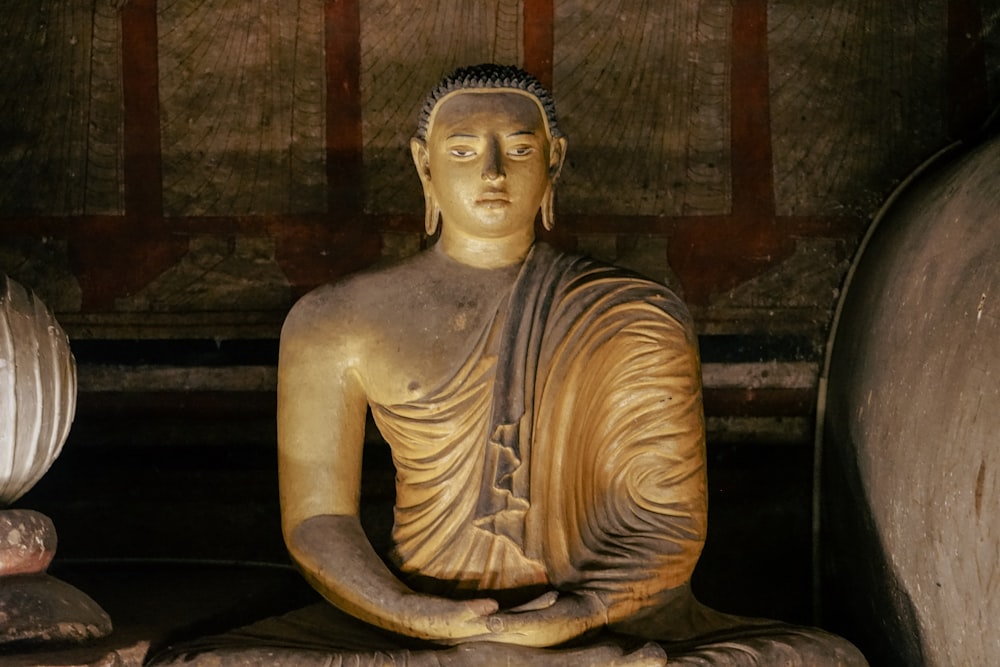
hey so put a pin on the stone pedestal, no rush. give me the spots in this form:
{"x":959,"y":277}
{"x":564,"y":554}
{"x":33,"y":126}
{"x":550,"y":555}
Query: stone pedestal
{"x":36,"y":608}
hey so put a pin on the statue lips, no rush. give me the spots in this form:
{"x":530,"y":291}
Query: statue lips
{"x":493,"y":199}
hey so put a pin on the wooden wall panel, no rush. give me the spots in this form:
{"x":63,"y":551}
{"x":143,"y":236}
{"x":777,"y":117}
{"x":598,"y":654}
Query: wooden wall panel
{"x":643,"y":92}
{"x":244,"y":151}
{"x":733,"y":149}
{"x":45,"y":265}
{"x":807,"y":283}
{"x":242,"y":107}
{"x":60,"y":108}
{"x":404,"y":53}
{"x":241,"y":272}
{"x":838,"y":130}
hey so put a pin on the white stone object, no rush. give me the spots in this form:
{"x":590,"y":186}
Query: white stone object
{"x":37,"y":389}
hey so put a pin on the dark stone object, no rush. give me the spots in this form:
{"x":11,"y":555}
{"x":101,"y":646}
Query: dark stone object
{"x":910,"y":535}
{"x":38,"y":608}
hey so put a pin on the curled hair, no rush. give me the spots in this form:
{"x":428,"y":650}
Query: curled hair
{"x":489,"y":76}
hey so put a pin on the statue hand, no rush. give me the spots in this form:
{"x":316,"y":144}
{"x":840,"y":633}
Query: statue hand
{"x":336,"y":557}
{"x":543,"y":601}
{"x":445,"y":620}
{"x":549,"y":620}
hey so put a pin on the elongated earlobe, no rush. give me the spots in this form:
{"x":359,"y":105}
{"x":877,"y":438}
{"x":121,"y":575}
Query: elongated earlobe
{"x":557,"y":157}
{"x":556,"y":160}
{"x":432,"y":214}
{"x":548,"y":208}
{"x":421,"y":160}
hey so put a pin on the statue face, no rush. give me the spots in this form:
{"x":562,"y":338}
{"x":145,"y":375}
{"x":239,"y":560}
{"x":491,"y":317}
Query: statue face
{"x":488,"y":161}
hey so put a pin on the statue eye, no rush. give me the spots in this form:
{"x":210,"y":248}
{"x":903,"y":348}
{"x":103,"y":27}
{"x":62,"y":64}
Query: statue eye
{"x":461,"y":151}
{"x":520,"y":151}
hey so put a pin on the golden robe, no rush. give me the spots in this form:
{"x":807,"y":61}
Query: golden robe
{"x":567,"y":452}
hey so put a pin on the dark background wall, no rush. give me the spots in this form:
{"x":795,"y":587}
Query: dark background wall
{"x":175,"y":173}
{"x":184,"y":169}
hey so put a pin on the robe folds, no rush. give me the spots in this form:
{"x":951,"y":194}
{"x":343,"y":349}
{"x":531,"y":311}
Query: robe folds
{"x":567,"y":451}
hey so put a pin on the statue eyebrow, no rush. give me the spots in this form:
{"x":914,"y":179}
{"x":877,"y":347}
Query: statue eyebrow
{"x":473,"y":135}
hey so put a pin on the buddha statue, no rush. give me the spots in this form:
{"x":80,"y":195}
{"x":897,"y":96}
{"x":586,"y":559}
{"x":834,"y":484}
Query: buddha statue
{"x":544,"y":416}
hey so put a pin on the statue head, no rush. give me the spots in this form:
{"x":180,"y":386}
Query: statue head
{"x":490,"y":77}
{"x":503,"y":101}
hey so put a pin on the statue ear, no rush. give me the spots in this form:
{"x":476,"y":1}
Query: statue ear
{"x":421,"y":159}
{"x":557,"y":156}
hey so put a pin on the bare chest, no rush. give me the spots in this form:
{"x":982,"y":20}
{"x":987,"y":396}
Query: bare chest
{"x":421,"y":344}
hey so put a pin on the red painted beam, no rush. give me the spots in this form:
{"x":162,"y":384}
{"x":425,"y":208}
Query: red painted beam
{"x":710,"y":255}
{"x":115,"y":257}
{"x":344,"y":141}
{"x":752,"y":162}
{"x":539,"y":39}
{"x":749,"y":402}
{"x":141,"y":92}
{"x":312,"y":250}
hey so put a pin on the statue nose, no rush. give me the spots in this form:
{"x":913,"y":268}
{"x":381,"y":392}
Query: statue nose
{"x":493,"y":163}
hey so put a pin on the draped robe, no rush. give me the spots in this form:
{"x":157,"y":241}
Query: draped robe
{"x":567,"y":451}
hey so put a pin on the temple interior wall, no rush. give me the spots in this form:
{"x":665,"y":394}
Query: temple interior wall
{"x":184,"y":170}
{"x":175,"y":173}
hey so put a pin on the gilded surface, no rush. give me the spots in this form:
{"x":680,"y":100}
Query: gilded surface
{"x":544,"y":416}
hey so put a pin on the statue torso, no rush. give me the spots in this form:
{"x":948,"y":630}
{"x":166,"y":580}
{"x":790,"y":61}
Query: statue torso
{"x":416,"y":322}
{"x":613,"y":356}
{"x":422,"y":336}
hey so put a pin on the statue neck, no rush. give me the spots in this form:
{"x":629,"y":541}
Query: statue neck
{"x":487,"y":253}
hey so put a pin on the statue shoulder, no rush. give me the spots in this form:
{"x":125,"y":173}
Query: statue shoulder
{"x":328,"y":313}
{"x":354,"y":309}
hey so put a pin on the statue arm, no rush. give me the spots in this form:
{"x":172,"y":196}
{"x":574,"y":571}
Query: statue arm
{"x":337,"y":559}
{"x":321,"y":416}
{"x":348,"y":573}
